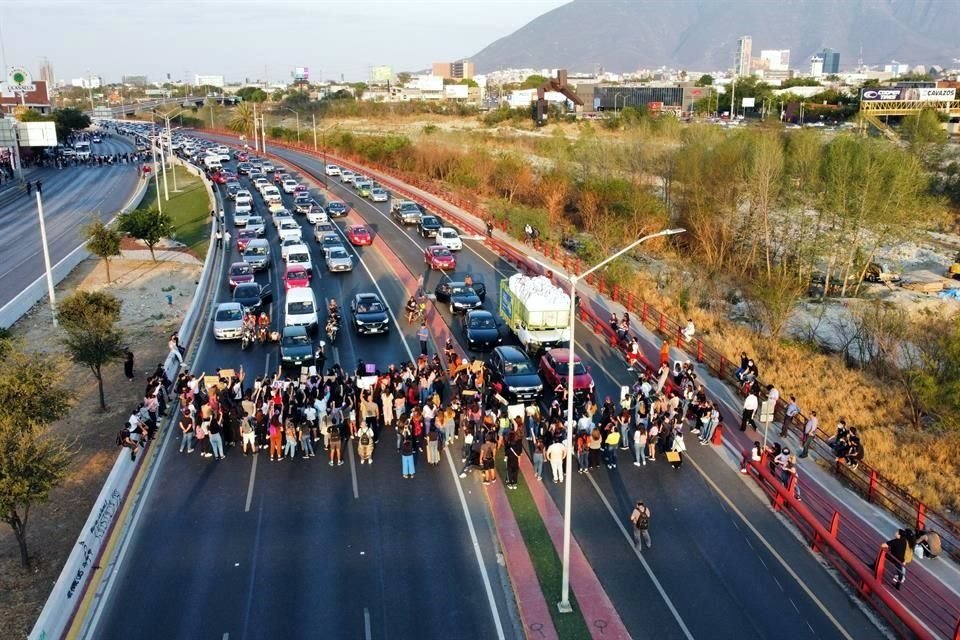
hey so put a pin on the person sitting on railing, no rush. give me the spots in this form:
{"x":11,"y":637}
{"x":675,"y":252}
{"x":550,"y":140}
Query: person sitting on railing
{"x":756,"y":454}
{"x":624,"y":328}
{"x":841,"y":435}
{"x":929,"y":542}
{"x":633,"y":353}
{"x":614,"y":322}
{"x":689,"y":330}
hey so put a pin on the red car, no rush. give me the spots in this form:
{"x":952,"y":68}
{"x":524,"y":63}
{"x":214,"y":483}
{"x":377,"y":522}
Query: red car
{"x":219,"y":178}
{"x":300,"y":188}
{"x":243,"y":157}
{"x":240,"y":273}
{"x":553,"y":369}
{"x":243,"y":237}
{"x":359,"y":235}
{"x":296,"y":275}
{"x":438,"y":257}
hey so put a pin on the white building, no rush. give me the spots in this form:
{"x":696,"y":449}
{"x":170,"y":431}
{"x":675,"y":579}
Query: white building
{"x":213,"y":81}
{"x":816,"y":66}
{"x":896,"y":68}
{"x":90,"y":82}
{"x":775,"y":59}
{"x":524,"y":97}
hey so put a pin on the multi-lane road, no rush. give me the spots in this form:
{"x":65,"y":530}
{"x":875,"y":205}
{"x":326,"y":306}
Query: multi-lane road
{"x":71,"y":197}
{"x":245,"y":548}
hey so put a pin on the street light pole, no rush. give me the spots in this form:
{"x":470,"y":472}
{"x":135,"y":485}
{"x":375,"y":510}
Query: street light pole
{"x":263,"y":133}
{"x":46,"y":260}
{"x":256,"y":139}
{"x":314,"y":116}
{"x":564,"y":605}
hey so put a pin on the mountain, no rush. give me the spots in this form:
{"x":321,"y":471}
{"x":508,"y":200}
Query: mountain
{"x":701,"y":35}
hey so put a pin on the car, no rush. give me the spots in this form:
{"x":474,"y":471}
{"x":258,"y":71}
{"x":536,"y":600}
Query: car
{"x":289,"y":185}
{"x":332,"y":170}
{"x":437,"y":257}
{"x":289,"y":229}
{"x":228,"y":321}
{"x":369,"y":314}
{"x":243,"y":195}
{"x":96,"y":140}
{"x":330,"y":240}
{"x":337,"y":209}
{"x":428,"y":226}
{"x":513,"y":369}
{"x":260,"y":183}
{"x":276,"y":206}
{"x":301,"y":199}
{"x":271,"y":194}
{"x":363,"y":188}
{"x":251,"y":296}
{"x":243,"y":156}
{"x":295,"y":275}
{"x":300,"y":309}
{"x":321,"y":229}
{"x":278,"y":177}
{"x":244,"y":236}
{"x":287,"y":243}
{"x":480,"y":330}
{"x":338,"y":259}
{"x":554,"y":371}
{"x":301,"y":188}
{"x":461,"y":296}
{"x":296,"y":347}
{"x":267,"y":165}
{"x":218,"y":178}
{"x":233,"y":188}
{"x":379,"y":195}
{"x":257,"y":254}
{"x":359,"y":235}
{"x":316,"y":214}
{"x":280,"y":217}
{"x":300,"y":255}
{"x":346,"y":176}
{"x":240,"y":273}
{"x":256,"y":223}
{"x":449,"y":238}
{"x":407,"y":212}
{"x":241,"y":215}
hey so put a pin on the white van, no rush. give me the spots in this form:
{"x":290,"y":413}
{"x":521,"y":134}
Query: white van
{"x":300,"y":309}
{"x":212,"y":162}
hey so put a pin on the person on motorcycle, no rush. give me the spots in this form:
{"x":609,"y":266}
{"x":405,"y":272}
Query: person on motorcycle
{"x":264,"y":325}
{"x":412,"y":307}
{"x":332,"y":308}
{"x":332,"y":329}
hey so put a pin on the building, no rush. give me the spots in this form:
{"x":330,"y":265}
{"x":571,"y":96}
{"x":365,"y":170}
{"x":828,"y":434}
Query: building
{"x":460,"y":70}
{"x":134,"y":81}
{"x":381,"y":75}
{"x":831,"y":61}
{"x":676,"y":98}
{"x":90,"y":82}
{"x":212,"y":81}
{"x":37,"y":100}
{"x":744,"y":51}
{"x":816,"y":66}
{"x":46,"y":73}
{"x":775,"y":59}
{"x":896,"y":68}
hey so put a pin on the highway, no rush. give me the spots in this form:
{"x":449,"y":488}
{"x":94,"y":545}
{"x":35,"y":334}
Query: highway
{"x":252,"y":548}
{"x":71,"y":196}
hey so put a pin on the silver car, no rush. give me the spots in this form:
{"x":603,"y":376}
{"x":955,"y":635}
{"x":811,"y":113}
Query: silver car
{"x":255,"y":223}
{"x":339,"y":260}
{"x":228,"y":321}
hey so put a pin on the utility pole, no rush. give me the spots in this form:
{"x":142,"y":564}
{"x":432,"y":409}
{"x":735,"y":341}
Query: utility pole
{"x":733,"y":98}
{"x":314,"y":116}
{"x":46,"y":260}
{"x":263,"y":133}
{"x":256,"y":143}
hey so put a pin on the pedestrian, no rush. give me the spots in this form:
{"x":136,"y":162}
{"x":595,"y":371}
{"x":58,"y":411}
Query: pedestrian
{"x":612,"y":442}
{"x":556,"y":454}
{"x":219,"y":236}
{"x":306,"y":440}
{"x":513,"y":453}
{"x":248,"y":434}
{"x":750,"y":405}
{"x":489,"y":227}
{"x":216,"y":439}
{"x":788,"y":415}
{"x":423,"y":336}
{"x":406,"y":456}
{"x":333,"y":440}
{"x":39,"y":187}
{"x":641,"y":525}
{"x":186,"y":429}
{"x":29,"y":187}
{"x":809,"y":433}
{"x":128,"y":364}
{"x":174,"y":345}
{"x":365,"y":443}
{"x":538,"y":452}
{"x":901,"y":550}
{"x":640,"y":446}
{"x":433,"y":444}
{"x":488,"y":455}
{"x":275,"y":431}
{"x":200,"y":431}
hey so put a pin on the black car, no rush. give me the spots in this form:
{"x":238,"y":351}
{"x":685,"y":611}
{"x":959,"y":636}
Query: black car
{"x":337,"y":209}
{"x":232,"y":188}
{"x":462,"y":297}
{"x":244,"y":168}
{"x":480,"y":330}
{"x":512,"y":368}
{"x":251,"y":295}
{"x":369,"y":314}
{"x":428,"y":226}
{"x":296,"y":347}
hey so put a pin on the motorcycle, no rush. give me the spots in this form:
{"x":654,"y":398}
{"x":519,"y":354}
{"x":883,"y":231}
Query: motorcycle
{"x":246,"y":338}
{"x":262,"y":334}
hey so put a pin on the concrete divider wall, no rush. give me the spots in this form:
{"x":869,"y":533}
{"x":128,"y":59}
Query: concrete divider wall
{"x":63,"y":604}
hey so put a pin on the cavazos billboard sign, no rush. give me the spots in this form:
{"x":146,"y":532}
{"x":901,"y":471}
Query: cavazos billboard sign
{"x":937,"y":94}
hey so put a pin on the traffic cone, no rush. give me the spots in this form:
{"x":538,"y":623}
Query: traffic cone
{"x":717,"y":436}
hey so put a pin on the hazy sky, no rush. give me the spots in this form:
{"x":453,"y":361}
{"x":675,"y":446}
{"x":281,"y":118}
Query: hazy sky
{"x":240,"y":39}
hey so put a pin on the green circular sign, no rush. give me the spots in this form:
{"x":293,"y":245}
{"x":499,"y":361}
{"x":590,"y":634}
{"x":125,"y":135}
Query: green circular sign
{"x":19,"y":77}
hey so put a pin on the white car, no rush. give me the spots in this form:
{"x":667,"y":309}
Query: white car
{"x":289,"y":243}
{"x":271,"y":194}
{"x":266,"y":165}
{"x":260,"y":184}
{"x":316,"y":214}
{"x":241,"y":214}
{"x":276,"y":206}
{"x":289,"y":186}
{"x":289,"y":229}
{"x":379,"y":195}
{"x":449,"y":238}
{"x":228,"y":321}
{"x":281,"y":217}
{"x":299,"y":254}
{"x":346,"y":176}
{"x":332,"y":170}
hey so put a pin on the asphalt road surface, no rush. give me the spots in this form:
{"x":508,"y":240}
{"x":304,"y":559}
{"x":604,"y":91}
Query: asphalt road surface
{"x":71,"y":197}
{"x":308,"y":557}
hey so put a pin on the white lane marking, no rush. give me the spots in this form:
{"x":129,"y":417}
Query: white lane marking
{"x":643,"y":561}
{"x":353,"y":470}
{"x":367,"y":633}
{"x":769,"y":547}
{"x":253,"y":478}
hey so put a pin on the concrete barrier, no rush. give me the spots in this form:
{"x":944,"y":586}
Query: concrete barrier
{"x":92,"y":549}
{"x":36,"y":290}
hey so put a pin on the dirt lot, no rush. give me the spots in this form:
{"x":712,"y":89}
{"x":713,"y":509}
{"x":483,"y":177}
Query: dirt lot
{"x":148,"y":320}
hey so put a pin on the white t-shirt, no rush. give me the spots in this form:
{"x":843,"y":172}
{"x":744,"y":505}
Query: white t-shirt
{"x":773,"y":394}
{"x":751,"y":403}
{"x":555,"y":452}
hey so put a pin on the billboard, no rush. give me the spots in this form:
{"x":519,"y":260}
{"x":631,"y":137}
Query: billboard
{"x":873,"y":95}
{"x":301,"y":74}
{"x":748,"y":103}
{"x":37,"y":134}
{"x":937,"y":94}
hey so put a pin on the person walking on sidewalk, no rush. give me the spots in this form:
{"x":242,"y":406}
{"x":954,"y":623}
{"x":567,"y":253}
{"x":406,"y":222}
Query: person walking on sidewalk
{"x":641,"y":525}
{"x":750,"y":405}
{"x":901,"y":550}
{"x":809,"y":433}
{"x":556,"y":454}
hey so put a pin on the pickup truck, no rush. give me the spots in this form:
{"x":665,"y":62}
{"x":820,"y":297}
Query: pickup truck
{"x":406,"y":211}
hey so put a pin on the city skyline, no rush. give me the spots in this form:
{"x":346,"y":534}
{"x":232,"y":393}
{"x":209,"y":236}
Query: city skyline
{"x":222,"y":39}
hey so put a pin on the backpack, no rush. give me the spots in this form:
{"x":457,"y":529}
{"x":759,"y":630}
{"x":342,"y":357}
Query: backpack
{"x":432,"y":435}
{"x":643,"y":520}
{"x":365,"y":437}
{"x":122,"y":438}
{"x":908,"y":554}
{"x":334,"y":432}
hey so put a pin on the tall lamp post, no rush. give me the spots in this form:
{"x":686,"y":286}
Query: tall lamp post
{"x":564,"y":604}
{"x":296,"y":113}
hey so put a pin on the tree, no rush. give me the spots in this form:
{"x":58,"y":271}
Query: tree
{"x":32,"y":463}
{"x":89,"y":318}
{"x":69,"y":120}
{"x":533,"y":82}
{"x":404,"y":77}
{"x":242,"y":119}
{"x":705,"y":80}
{"x":32,"y":386}
{"x":923,"y":130}
{"x":148,"y":225}
{"x":26,"y":114}
{"x":252,"y":94}
{"x":102,"y":241}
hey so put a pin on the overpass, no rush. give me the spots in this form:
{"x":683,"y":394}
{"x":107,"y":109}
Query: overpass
{"x":875,"y":111}
{"x":188,"y":102}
